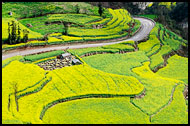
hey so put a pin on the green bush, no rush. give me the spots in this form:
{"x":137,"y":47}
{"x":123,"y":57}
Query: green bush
{"x":83,"y":51}
{"x":35,"y":57}
{"x":148,"y":16}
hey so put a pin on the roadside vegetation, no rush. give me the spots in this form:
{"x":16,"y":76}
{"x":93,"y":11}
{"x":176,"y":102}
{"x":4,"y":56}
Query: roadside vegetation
{"x":131,"y":82}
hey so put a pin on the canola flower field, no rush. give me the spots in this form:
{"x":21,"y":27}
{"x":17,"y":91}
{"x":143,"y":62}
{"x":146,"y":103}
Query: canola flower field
{"x":113,"y":28}
{"x":64,"y":83}
{"x":115,"y":84}
{"x":128,"y":78}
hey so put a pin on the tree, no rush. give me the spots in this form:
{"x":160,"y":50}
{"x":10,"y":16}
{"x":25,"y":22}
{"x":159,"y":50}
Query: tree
{"x":12,"y":37}
{"x":25,"y":35}
{"x":18,"y":35}
{"x":132,"y":8}
{"x":9,"y":37}
{"x":77,"y":9}
{"x":100,"y":11}
{"x":13,"y":33}
{"x":66,"y":26}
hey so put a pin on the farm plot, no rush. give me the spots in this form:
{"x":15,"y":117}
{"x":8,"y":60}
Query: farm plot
{"x":157,"y":87}
{"x":63,"y":84}
{"x":154,"y":84}
{"x":37,"y":57}
{"x":9,"y":60}
{"x":157,"y":59}
{"x":175,"y":113}
{"x":113,"y":27}
{"x":168,"y":37}
{"x":117,"y":63}
{"x":148,"y":16}
{"x":32,"y":35}
{"x":45,"y":24}
{"x":151,"y":46}
{"x":83,"y":51}
{"x":177,"y":68}
{"x":119,"y":21}
{"x":32,"y":9}
{"x":119,"y":46}
{"x":12,"y":73}
{"x":96,"y":111}
{"x":127,"y":46}
{"x":50,"y":25}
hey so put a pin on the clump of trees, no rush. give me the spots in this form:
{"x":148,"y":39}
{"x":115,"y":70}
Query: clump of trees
{"x":100,"y":10}
{"x":66,"y":27}
{"x":77,"y":9}
{"x":14,"y":34}
{"x":171,"y":18}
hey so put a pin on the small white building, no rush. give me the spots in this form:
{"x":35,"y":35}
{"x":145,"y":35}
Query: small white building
{"x":76,"y":62}
{"x":10,"y":13}
{"x":64,"y":56}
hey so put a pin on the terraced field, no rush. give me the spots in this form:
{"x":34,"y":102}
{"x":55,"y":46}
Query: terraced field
{"x":127,"y":46}
{"x":59,"y":84}
{"x":81,"y":28}
{"x":131,"y":82}
{"x":177,"y":68}
{"x":5,"y":21}
{"x":96,"y":111}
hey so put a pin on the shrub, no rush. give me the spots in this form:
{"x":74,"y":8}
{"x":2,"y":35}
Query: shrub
{"x":36,"y":57}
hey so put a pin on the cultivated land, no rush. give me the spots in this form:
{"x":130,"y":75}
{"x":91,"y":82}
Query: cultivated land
{"x":139,"y":79}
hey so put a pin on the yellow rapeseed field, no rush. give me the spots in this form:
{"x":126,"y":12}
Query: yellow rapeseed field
{"x":65,"y":82}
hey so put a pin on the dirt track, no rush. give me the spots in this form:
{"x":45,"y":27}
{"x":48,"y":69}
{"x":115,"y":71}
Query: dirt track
{"x":146,"y":27}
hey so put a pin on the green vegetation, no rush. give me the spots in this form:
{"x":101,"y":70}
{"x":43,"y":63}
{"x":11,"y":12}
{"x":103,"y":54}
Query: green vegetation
{"x":45,"y":24}
{"x":117,"y":87}
{"x":114,"y":27}
{"x":153,"y":83}
{"x":168,"y":4}
{"x":115,"y":48}
{"x":151,"y":46}
{"x":33,"y":9}
{"x":172,"y":15}
{"x":174,"y":113}
{"x":65,"y":83}
{"x":148,"y":16}
{"x":44,"y":59}
{"x":117,"y":63}
{"x":128,"y":42}
{"x":32,"y":35}
{"x":96,"y":111}
{"x":157,"y":59}
{"x":177,"y":68}
{"x":119,"y":47}
{"x":80,"y":27}
{"x":33,"y":58}
{"x":157,"y":87}
{"x":84,"y":51}
{"x":9,"y":60}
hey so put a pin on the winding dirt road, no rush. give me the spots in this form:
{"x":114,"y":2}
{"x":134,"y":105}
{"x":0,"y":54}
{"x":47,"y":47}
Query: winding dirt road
{"x":146,"y":27}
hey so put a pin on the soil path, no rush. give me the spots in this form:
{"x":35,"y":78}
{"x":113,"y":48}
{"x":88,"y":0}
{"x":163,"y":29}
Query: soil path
{"x":146,"y":27}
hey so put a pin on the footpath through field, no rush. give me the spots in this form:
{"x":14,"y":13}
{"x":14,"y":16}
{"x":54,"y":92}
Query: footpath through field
{"x":146,"y":26}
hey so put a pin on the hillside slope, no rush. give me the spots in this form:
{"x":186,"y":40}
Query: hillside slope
{"x":123,"y":82}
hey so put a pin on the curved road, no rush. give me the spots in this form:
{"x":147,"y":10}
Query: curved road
{"x":146,"y":27}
